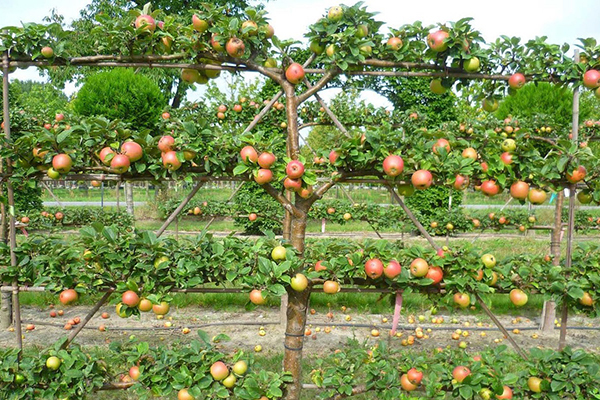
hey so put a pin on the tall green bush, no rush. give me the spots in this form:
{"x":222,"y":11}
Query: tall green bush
{"x":121,"y":94}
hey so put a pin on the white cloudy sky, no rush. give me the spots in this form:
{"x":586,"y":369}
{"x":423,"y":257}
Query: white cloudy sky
{"x":560,"y":20}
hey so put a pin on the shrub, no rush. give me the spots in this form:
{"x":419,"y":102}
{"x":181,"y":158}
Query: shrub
{"x":121,"y":94}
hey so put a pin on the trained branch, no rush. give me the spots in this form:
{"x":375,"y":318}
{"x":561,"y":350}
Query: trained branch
{"x":412,"y":217}
{"x":262,"y":112}
{"x":283,"y":200}
{"x":87,"y":318}
{"x":327,"y":77}
{"x":175,"y":213}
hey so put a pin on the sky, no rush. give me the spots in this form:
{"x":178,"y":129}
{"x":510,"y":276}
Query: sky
{"x":563,"y":21}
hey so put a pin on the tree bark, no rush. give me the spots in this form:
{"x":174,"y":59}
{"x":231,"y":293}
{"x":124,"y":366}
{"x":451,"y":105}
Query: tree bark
{"x":296,"y":317}
{"x":179,"y":92}
{"x":129,"y":197}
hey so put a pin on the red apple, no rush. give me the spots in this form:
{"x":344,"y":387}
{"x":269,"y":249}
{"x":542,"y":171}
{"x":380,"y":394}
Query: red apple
{"x":170,"y":161}
{"x":506,"y":158}
{"x":252,"y":217}
{"x":435,"y":274}
{"x":460,"y":373}
{"x":292,"y":185}
{"x":219,"y":371}
{"x":294,"y":169}
{"x":461,"y":182}
{"x":374,"y":268}
{"x":421,"y":179}
{"x":235,"y":47}
{"x":516,"y":81}
{"x":414,"y":376}
{"x":519,"y":190}
{"x":506,"y":393}
{"x":294,"y":73}
{"x":463,"y":300}
{"x":392,"y":270}
{"x":120,"y":163}
{"x":333,"y":156}
{"x":319,"y":266}
{"x":436,"y":41}
{"x":130,"y":298}
{"x":165,"y":115}
{"x":484,"y":166}
{"x":248,"y":154}
{"x":47,"y":52}
{"x":518,"y":297}
{"x":591,"y":79}
{"x":146,"y":22}
{"x":576,"y":176}
{"x":199,"y":24}
{"x":393,"y":165}
{"x":166,"y":143}
{"x":266,"y":160}
{"x":59,"y":117}
{"x":394,"y":43}
{"x":470,"y":152}
{"x":237,"y":108}
{"x":62,"y":163}
{"x":490,"y":188}
{"x":441,"y":143}
{"x":263,"y":176}
{"x":419,"y":268}
{"x":68,"y":296}
{"x":132,"y":150}
{"x":256,"y":297}
{"x":406,"y":383}
{"x":537,"y":196}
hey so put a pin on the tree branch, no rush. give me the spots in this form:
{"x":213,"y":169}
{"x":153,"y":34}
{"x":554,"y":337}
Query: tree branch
{"x":282,"y":200}
{"x":329,"y":75}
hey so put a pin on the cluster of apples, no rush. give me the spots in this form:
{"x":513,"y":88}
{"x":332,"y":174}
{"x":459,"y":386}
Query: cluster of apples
{"x":131,"y":299}
{"x":169,"y":155}
{"x":265,"y":161}
{"x":293,"y":181}
{"x":120,"y":162}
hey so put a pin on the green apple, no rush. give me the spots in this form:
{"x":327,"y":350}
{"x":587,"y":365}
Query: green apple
{"x":485,"y":394}
{"x":278,"y":253}
{"x":299,"y":283}
{"x":52,"y":173}
{"x":53,"y":363}
{"x":471,"y":65}
{"x":316,"y":47}
{"x":509,"y":145}
{"x":229,"y":382}
{"x":240,"y":367}
{"x":488,"y":260}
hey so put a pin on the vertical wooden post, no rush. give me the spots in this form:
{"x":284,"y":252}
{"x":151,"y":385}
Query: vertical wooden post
{"x":12,"y":235}
{"x":117,"y":194}
{"x":571,"y":224}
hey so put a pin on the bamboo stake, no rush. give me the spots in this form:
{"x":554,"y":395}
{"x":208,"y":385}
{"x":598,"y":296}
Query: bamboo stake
{"x":352,"y":201}
{"x":549,"y":310}
{"x":87,"y":318}
{"x":228,"y":200}
{"x":180,"y":207}
{"x":571,"y":227}
{"x":51,"y":193}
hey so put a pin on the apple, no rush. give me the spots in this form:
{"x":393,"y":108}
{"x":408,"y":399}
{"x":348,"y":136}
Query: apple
{"x":278,"y":253}
{"x":331,"y":287}
{"x":490,"y":188}
{"x":130,"y":298}
{"x":248,"y":154}
{"x":161,"y":309}
{"x":219,"y":371}
{"x":240,"y":367}
{"x":319,"y":266}
{"x":516,"y":81}
{"x":263,"y":176}
{"x":189,"y":75}
{"x":132,"y":150}
{"x":330,"y":50}
{"x":294,"y":73}
{"x":335,"y":13}
{"x":268,"y":30}
{"x":476,"y":223}
{"x":584,"y":197}
{"x":460,"y":373}
{"x":407,"y":384}
{"x":392,"y":269}
{"x":519,"y":190}
{"x":47,"y":52}
{"x":171,"y":161}
{"x":435,"y":274}
{"x":134,"y":373}
{"x":469,"y":152}
{"x":145,"y":305}
{"x":59,"y":216}
{"x":509,"y":145}
{"x":577,"y":175}
{"x":146,"y":22}
{"x":394,"y":43}
{"x":472,"y":64}
{"x":441,"y":143}
{"x":437,"y":41}
{"x":330,"y":210}
{"x":518,"y":297}
{"x":374,"y":268}
{"x":421,"y":179}
{"x":294,"y":169}
{"x":490,"y":104}
{"x":104,"y":153}
{"x":229,"y":382}
{"x":183,"y":394}
{"x":488,"y":260}
{"x":293,"y":185}
{"x":120,"y":163}
{"x":485,"y":394}
{"x":393,"y":165}
{"x":257,"y":297}
{"x":537,"y":196}
{"x":463,"y":300}
{"x":419,"y":268}
{"x":347,"y":216}
{"x":53,"y":363}
{"x":484,"y":166}
{"x":166,"y":143}
{"x":506,"y":393}
{"x":586,"y":300}
{"x":68,"y":296}
{"x":316,"y":47}
{"x":506,"y":158}
{"x":299,"y":282}
{"x":62,"y":163}
{"x":235,"y":47}
{"x":119,"y":310}
{"x":437,"y":87}
{"x":534,"y":384}
{"x":591,"y":79}
{"x":249,"y":28}
{"x":414,"y":376}
{"x":461,"y":182}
